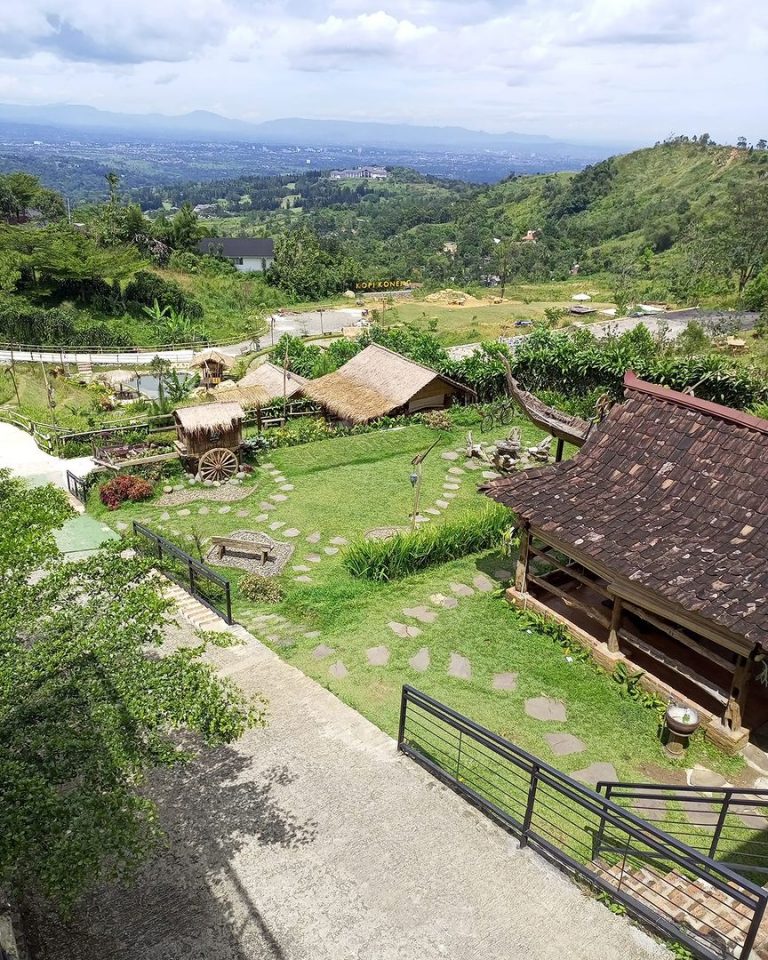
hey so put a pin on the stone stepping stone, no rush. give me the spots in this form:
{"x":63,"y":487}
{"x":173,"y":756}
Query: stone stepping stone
{"x":504,"y":681}
{"x":278,"y":497}
{"x":224,"y":509}
{"x":564,"y":744}
{"x":450,"y":486}
{"x":472,"y":465}
{"x":751,"y":817}
{"x":313,"y":557}
{"x":183,"y":513}
{"x":491,"y":475}
{"x":440,"y":600}
{"x":403,"y":629}
{"x":280,"y":478}
{"x":650,"y":808}
{"x":421,"y":519}
{"x":276,"y":524}
{"x":432,"y":512}
{"x":267,"y":466}
{"x":262,"y":517}
{"x":377,"y":656}
{"x":267,"y":506}
{"x":302,"y":568}
{"x":456,"y":471}
{"x":502,"y":574}
{"x":703,"y":777}
{"x":287,"y":487}
{"x":339,"y":541}
{"x":165,"y":515}
{"x":291,"y":532}
{"x":422,"y":614}
{"x":203,"y":511}
{"x":330,"y":550}
{"x":441,"y":503}
{"x":303,"y":579}
{"x":449,"y":496}
{"x":483,"y":584}
{"x":459,"y":667}
{"x":244,"y":513}
{"x":595,"y":772}
{"x":122,"y":525}
{"x":312,"y":634}
{"x":450,"y":455}
{"x":314,"y":537}
{"x":698,"y":812}
{"x":338,"y":670}
{"x":321,"y":651}
{"x":421,"y":661}
{"x":545,"y":708}
{"x":461,"y":589}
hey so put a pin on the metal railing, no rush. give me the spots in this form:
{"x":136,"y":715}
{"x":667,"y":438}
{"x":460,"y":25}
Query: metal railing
{"x":77,"y":486}
{"x":196,"y":578}
{"x":728,"y":824}
{"x":677,"y":891}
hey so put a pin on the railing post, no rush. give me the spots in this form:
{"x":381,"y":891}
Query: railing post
{"x":720,"y":823}
{"x":598,"y":839}
{"x":191,"y":571}
{"x":228,"y":595}
{"x":754,"y":928}
{"x":401,"y":727}
{"x":529,"y":806}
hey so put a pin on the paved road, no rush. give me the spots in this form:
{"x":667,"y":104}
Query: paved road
{"x":20,"y":454}
{"x":298,"y":324}
{"x":314,"y":840}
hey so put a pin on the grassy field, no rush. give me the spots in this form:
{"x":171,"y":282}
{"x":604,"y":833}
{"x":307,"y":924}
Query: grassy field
{"x":342,"y":488}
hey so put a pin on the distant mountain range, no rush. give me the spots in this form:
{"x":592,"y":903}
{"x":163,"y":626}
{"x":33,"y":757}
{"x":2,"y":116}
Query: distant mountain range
{"x":18,"y":120}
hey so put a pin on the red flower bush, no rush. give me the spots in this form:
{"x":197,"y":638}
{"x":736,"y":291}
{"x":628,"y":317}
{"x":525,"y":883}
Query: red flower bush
{"x":124,"y":487}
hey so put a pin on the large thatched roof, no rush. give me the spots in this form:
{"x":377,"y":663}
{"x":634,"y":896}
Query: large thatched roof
{"x":212,"y":356}
{"x":372,"y":384}
{"x":209,"y":417}
{"x":270,"y":378}
{"x":248,"y":397}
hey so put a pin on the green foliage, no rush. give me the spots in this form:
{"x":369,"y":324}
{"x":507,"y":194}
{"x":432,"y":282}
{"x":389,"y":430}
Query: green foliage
{"x":123,"y":487}
{"x":85,"y":712}
{"x":406,"y":553}
{"x":437,"y":420}
{"x":147,"y":288}
{"x":260,"y":589}
{"x":631,"y":687}
{"x":309,"y":268}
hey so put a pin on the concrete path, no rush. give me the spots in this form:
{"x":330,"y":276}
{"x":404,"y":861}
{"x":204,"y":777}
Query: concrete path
{"x":20,"y":454}
{"x":313,"y":839}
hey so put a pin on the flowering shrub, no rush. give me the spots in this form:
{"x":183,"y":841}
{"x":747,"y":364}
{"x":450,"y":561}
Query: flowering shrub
{"x":124,"y":487}
{"x":437,"y":420}
{"x":255,"y":586}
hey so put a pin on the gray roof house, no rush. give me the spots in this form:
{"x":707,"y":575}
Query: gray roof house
{"x":248,"y":254}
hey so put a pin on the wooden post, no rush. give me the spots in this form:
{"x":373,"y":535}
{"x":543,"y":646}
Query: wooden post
{"x":613,"y":635}
{"x":733,"y":716}
{"x":521,"y":573}
{"x":559,"y":449}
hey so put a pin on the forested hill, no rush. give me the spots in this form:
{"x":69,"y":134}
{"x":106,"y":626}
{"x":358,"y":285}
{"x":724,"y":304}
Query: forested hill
{"x":644,"y":213}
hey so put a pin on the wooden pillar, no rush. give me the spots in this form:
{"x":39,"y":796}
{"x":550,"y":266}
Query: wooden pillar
{"x":613,"y":634}
{"x":521,"y":573}
{"x":559,"y":449}
{"x":733,"y":717}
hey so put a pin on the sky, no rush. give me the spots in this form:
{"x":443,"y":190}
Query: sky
{"x":600,"y":70}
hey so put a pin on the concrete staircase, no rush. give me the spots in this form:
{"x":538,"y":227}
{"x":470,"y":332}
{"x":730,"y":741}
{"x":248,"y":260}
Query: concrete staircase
{"x":192,"y":610}
{"x":84,"y":370}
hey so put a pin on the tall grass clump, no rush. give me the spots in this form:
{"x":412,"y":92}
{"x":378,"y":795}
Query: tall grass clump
{"x":405,"y":553}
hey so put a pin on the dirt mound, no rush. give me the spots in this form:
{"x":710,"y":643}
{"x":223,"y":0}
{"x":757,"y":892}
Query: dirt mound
{"x":452,"y":297}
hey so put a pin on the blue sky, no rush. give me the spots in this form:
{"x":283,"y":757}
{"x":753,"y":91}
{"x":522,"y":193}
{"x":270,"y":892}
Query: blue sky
{"x":618,"y":70}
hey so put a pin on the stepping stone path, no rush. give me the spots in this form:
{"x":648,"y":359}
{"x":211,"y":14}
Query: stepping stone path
{"x":421,"y":660}
{"x":440,"y":600}
{"x":595,"y":772}
{"x":314,"y":538}
{"x":697,"y":811}
{"x":441,"y":503}
{"x":338,"y":670}
{"x":473,"y":465}
{"x":276,"y":524}
{"x":504,"y":681}
{"x":302,"y":568}
{"x":450,"y":486}
{"x":313,"y":557}
{"x":291,"y":532}
{"x":278,"y":497}
{"x":491,"y":475}
{"x":339,"y":541}
{"x":403,"y":630}
{"x":279,"y":478}
{"x":312,"y":634}
{"x":122,"y":525}
{"x":267,"y":506}
{"x":287,"y":487}
{"x":461,"y":589}
{"x":421,"y":519}
{"x":303,"y":579}
{"x":422,"y":614}
{"x":267,"y":466}
{"x":502,"y":574}
{"x":702,"y":777}
{"x":449,"y":496}
{"x":378,"y":656}
{"x":163,"y":516}
{"x":330,"y":550}
{"x":224,"y":509}
{"x":432,"y":512}
{"x":456,"y":471}
{"x":244,"y":513}
{"x":483,"y":584}
{"x":460,"y":667}
{"x":183,"y":513}
{"x":563,"y":744}
{"x":450,"y":455}
{"x":651,"y":808}
{"x":545,"y":708}
{"x":321,"y":651}
{"x":262,"y":517}
{"x":203,"y":511}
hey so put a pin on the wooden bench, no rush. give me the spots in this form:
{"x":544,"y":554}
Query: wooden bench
{"x":258,"y":549}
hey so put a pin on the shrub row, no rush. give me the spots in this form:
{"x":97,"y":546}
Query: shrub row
{"x":406,"y":553}
{"x":124,"y":487}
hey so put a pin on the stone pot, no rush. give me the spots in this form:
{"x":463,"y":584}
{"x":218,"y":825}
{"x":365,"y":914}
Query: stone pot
{"x":682,"y":720}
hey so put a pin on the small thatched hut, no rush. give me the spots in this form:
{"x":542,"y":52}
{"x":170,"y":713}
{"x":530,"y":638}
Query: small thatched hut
{"x":234,"y":391}
{"x":208,"y":426}
{"x":212,"y":365}
{"x":378,"y":382}
{"x":275,"y":381}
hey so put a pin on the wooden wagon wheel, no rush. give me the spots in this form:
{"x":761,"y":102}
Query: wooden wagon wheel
{"x":217,"y":464}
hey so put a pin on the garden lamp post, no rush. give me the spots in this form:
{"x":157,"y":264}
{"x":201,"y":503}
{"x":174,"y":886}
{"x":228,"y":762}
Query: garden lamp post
{"x":415,"y":479}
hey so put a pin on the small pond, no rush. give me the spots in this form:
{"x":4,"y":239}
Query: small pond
{"x":148,"y":385}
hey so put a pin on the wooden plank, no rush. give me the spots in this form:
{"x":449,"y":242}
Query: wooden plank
{"x":593,"y":612}
{"x":613,"y":635}
{"x":717,"y":693}
{"x":521,"y":571}
{"x":680,"y":637}
{"x":575,"y":574}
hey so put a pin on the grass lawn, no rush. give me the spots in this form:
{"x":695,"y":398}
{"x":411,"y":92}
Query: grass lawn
{"x":342,"y":488}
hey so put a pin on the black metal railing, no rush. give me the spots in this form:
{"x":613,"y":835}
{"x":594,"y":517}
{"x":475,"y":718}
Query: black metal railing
{"x":728,"y":824}
{"x":676,"y":890}
{"x":77,"y":486}
{"x":196,"y":578}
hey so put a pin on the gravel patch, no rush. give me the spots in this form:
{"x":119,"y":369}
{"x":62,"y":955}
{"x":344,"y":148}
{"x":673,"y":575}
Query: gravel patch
{"x":279,"y":552}
{"x":225,"y":494}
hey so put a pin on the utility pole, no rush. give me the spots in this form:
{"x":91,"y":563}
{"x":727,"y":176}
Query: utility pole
{"x":285,"y":385}
{"x":322,"y":332}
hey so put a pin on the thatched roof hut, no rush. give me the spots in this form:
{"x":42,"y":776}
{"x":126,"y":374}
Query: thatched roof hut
{"x":273,"y":380}
{"x":249,"y":397}
{"x":208,"y":425}
{"x":377,"y":382}
{"x":212,"y":364}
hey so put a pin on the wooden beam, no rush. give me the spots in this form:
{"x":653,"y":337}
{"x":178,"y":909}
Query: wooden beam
{"x":569,"y":600}
{"x":613,"y":635}
{"x":572,"y":572}
{"x":733,"y":715}
{"x":680,"y":636}
{"x":521,"y":572}
{"x":559,"y":449}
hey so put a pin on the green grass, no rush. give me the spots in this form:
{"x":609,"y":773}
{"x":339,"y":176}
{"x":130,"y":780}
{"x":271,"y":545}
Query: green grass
{"x":346,"y":486}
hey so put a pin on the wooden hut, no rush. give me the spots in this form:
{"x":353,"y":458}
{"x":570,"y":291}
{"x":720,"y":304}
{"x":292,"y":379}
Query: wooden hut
{"x":274,"y":381}
{"x":651,"y":545}
{"x":378,"y":382}
{"x":211,"y":435}
{"x":212,"y":364}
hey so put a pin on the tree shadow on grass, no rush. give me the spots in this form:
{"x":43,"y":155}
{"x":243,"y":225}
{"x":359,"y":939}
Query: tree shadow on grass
{"x":210,"y":808}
